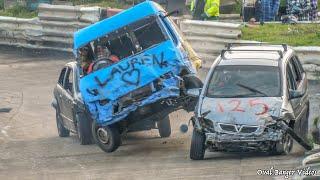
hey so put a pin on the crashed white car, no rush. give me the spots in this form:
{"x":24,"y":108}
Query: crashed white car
{"x":254,"y":98}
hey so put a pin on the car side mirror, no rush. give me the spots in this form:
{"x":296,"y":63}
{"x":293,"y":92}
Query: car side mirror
{"x":194,"y":92}
{"x":293,"y":94}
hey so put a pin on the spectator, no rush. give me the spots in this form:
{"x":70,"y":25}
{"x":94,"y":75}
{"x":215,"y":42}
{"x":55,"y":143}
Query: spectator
{"x":269,"y":10}
{"x":299,"y":8}
{"x":313,"y":11}
{"x":205,"y":9}
{"x":211,"y":10}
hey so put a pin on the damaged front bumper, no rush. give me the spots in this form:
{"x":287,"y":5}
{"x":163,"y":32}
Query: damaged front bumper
{"x":216,"y":137}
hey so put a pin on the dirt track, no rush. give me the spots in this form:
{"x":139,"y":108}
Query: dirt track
{"x":31,"y":149}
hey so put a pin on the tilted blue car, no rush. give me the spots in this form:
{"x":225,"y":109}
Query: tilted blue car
{"x":135,"y":69}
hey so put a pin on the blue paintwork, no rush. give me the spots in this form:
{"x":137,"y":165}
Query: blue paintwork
{"x":132,"y":72}
{"x":137,"y":74}
{"x":101,"y":28}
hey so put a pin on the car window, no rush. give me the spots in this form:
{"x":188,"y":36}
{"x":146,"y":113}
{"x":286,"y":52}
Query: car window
{"x":298,"y":64}
{"x":296,"y":71}
{"x":61,"y":77}
{"x":68,"y":83}
{"x":290,"y":78}
{"x":244,"y":81}
{"x":149,"y":34}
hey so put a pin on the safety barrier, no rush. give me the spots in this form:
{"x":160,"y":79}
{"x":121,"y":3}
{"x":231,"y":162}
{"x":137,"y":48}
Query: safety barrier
{"x":209,"y":38}
{"x":53,"y":28}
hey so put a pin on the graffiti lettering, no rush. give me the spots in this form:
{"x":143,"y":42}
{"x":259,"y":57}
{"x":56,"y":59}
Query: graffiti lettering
{"x":255,"y":103}
{"x":129,"y":73}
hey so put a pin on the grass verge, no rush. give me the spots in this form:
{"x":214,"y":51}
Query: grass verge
{"x":18,"y":11}
{"x":294,"y":35}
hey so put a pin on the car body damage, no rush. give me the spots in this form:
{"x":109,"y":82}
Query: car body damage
{"x":148,"y":71}
{"x":254,"y":99}
{"x":248,"y":120}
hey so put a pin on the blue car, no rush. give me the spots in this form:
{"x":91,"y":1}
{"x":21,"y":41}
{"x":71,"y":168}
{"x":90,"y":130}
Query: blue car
{"x":131,"y":71}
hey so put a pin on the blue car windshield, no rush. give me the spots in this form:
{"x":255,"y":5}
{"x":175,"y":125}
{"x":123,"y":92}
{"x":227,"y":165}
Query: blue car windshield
{"x":244,"y":81}
{"x":131,"y":39}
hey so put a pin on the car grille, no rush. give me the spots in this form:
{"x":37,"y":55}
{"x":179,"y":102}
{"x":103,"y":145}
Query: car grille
{"x":232,"y":128}
{"x":228,"y":127}
{"x":248,"y":129}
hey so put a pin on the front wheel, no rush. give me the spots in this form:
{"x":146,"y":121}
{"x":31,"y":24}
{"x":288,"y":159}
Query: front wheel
{"x":283,"y":147}
{"x":197,"y":149}
{"x":108,"y":137}
{"x":164,"y":127}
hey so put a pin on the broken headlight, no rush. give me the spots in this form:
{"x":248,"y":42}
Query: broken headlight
{"x":206,"y":123}
{"x":267,"y":120}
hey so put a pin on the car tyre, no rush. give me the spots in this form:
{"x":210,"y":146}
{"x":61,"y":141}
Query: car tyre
{"x":62,"y":131}
{"x":197,"y":149}
{"x":108,"y":138}
{"x":164,"y":127}
{"x":84,"y":129}
{"x":283,"y":147}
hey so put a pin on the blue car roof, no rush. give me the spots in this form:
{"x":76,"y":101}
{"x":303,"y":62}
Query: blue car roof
{"x":101,"y":28}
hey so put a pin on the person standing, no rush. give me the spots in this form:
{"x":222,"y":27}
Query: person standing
{"x":299,"y":8}
{"x":211,"y":10}
{"x":314,"y":10}
{"x":205,"y":9}
{"x":269,"y":10}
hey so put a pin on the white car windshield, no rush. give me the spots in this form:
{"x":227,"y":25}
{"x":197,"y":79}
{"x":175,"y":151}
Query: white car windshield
{"x":244,"y":81}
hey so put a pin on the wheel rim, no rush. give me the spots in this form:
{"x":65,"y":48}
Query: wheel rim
{"x":287,"y":144}
{"x":103,"y":136}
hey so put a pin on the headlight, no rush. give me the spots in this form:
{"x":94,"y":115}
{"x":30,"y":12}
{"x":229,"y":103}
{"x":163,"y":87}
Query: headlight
{"x":267,"y":121}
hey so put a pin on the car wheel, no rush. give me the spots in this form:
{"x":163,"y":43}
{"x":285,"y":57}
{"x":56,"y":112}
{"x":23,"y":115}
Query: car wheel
{"x":62,"y":131}
{"x":197,"y":149}
{"x":164,"y":127}
{"x":84,"y":129}
{"x":283,"y":147}
{"x":107,"y":138}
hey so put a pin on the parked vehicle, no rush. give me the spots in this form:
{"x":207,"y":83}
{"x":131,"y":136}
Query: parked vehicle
{"x":144,"y":77}
{"x":253,"y":97}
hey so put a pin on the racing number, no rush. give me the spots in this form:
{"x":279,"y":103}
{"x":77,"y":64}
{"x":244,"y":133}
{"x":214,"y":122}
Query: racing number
{"x":256,"y":102}
{"x":252,"y":103}
{"x":237,"y":107}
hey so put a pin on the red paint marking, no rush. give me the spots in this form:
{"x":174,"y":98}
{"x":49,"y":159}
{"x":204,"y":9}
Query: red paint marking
{"x":220,"y":107}
{"x":256,"y":102}
{"x":237,"y":105}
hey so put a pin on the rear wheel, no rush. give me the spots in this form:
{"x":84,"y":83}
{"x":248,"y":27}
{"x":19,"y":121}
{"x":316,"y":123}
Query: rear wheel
{"x":62,"y":131}
{"x":84,"y":129}
{"x":197,"y":149}
{"x":164,"y":127}
{"x":108,"y":137}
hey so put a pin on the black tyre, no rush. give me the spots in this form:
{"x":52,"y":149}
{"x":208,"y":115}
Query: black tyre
{"x":108,"y":137}
{"x":62,"y":131}
{"x":283,"y":147}
{"x":84,"y":129}
{"x":197,"y":149}
{"x":164,"y":127}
